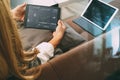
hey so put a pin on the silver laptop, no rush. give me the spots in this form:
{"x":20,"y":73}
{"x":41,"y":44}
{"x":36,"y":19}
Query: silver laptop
{"x":96,"y":17}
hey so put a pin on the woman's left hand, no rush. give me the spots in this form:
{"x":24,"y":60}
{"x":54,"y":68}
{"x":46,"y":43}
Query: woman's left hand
{"x":19,"y":12}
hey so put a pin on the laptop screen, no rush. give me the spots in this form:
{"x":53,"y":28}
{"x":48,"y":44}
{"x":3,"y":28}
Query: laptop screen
{"x":99,"y":13}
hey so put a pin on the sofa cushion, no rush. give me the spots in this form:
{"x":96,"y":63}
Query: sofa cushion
{"x":32,"y":37}
{"x":71,"y":39}
{"x":115,"y":3}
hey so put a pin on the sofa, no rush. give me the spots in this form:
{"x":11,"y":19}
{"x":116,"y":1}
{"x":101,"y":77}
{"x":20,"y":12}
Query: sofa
{"x":89,"y":60}
{"x":85,"y":62}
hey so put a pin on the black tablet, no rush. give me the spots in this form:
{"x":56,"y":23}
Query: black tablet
{"x":41,"y":17}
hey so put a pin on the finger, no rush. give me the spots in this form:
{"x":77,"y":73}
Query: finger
{"x":63,"y":25}
{"x":59,"y":23}
{"x":22,"y":18}
{"x":23,"y":5}
{"x":53,"y":33}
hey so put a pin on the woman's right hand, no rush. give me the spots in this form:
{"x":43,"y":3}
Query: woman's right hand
{"x":60,"y":29}
{"x":58,"y":34}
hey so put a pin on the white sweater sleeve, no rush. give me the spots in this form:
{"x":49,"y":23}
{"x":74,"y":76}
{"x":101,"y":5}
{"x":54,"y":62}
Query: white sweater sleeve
{"x":46,"y":51}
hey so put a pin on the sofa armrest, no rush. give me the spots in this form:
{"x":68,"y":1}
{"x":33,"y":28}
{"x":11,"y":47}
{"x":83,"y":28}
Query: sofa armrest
{"x":84,"y":62}
{"x":47,"y":73}
{"x":80,"y":63}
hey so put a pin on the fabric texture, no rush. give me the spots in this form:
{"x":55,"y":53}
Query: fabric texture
{"x":46,"y":51}
{"x":32,"y":37}
{"x":71,"y":39}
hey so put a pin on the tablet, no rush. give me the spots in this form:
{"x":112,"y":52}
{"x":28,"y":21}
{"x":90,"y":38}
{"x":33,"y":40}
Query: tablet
{"x":41,"y":17}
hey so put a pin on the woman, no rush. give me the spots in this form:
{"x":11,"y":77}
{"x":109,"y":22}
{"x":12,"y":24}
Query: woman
{"x":15,"y":63}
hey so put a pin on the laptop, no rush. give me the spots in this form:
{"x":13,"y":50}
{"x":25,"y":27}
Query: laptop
{"x":96,"y":17}
{"x":41,"y":17}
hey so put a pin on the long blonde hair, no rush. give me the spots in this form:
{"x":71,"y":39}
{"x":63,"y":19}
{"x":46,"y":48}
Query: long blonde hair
{"x":11,"y":51}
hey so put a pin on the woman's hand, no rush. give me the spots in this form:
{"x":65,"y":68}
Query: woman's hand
{"x":58,"y":34}
{"x":19,"y":12}
{"x":60,"y":29}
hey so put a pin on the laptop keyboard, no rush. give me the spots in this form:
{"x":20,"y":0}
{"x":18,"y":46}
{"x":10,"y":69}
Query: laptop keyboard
{"x":87,"y":26}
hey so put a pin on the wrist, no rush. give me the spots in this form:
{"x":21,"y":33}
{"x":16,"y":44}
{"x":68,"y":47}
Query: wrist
{"x":55,"y":41}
